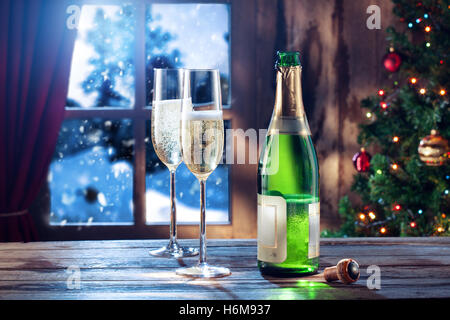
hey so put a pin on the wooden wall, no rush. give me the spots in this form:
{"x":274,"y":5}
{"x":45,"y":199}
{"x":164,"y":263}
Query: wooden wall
{"x":341,"y":61}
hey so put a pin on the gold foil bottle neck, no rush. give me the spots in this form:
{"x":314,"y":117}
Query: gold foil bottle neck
{"x":288,"y":100}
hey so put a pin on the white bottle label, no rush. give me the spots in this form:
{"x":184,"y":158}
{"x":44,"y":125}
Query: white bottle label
{"x":272,"y":244}
{"x":314,"y":230}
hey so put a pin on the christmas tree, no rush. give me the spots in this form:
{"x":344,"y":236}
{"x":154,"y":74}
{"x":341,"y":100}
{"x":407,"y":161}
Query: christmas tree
{"x":404,"y":185}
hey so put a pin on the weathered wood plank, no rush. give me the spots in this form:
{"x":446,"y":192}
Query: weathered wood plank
{"x":326,"y":250}
{"x":239,"y":262}
{"x":408,"y":274}
{"x":244,"y":257}
{"x":104,"y":244}
{"x":217,"y":290}
{"x":274,"y":294}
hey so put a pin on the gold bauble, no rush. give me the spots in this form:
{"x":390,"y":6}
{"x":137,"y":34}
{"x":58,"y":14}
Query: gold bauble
{"x":433,"y":149}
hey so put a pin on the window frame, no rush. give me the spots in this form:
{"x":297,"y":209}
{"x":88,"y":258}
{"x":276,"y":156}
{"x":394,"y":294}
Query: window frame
{"x":242,"y":177}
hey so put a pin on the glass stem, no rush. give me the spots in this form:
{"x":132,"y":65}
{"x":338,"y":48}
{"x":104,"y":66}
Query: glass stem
{"x":202,"y":256}
{"x":173,"y":209}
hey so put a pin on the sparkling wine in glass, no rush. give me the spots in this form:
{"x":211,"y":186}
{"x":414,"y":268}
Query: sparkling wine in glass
{"x":202,"y":139}
{"x":165,"y":132}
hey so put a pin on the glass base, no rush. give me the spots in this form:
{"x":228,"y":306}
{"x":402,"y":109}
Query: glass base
{"x":204,"y":270}
{"x":173,"y":250}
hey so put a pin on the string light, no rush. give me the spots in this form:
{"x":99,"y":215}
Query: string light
{"x":372,"y":215}
{"x":383,"y":230}
{"x":410,"y":25}
{"x":443,"y":216}
{"x":427,"y":29}
{"x":442,"y":92}
{"x":446,"y":192}
{"x":422,"y":91}
{"x":381,"y":92}
{"x":394,"y":166}
{"x":379,"y":171}
{"x":425,"y":15}
{"x":368,"y":115}
{"x":413,"y":224}
{"x":397,"y":207}
{"x":420,"y":211}
{"x":383,"y":105}
{"x":362,"y":216}
{"x":440,"y":229}
{"x":395,"y":139}
{"x":418,"y":20}
{"x":413,"y":80}
{"x":428,"y":44}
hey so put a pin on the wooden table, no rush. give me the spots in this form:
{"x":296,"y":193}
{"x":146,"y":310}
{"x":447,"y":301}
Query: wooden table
{"x":410,"y":268}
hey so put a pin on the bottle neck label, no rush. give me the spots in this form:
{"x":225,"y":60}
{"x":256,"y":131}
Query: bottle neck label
{"x":289,"y":114}
{"x":288,"y":99}
{"x":289,"y":125}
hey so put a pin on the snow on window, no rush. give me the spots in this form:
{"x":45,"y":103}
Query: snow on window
{"x":102,"y":71}
{"x":188,"y":35}
{"x":91,"y":174}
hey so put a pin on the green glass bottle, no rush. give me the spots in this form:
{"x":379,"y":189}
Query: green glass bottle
{"x":288,"y":182}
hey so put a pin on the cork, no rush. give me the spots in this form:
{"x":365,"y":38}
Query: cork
{"x":346,"y":270}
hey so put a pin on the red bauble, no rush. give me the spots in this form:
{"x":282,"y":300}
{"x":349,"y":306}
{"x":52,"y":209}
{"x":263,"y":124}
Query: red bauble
{"x":392,"y":61}
{"x":361,"y":161}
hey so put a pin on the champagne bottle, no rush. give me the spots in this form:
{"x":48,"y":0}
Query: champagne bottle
{"x":288,"y":182}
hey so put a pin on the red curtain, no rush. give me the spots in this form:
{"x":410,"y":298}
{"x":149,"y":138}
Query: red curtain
{"x":35,"y":56}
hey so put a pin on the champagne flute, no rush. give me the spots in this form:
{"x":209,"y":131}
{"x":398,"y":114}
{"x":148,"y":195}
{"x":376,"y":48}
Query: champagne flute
{"x":202,"y":140}
{"x":165,"y":132}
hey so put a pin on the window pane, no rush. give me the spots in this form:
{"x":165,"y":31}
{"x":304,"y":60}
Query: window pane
{"x":102,"y":71}
{"x":91,"y":174}
{"x":191,"y":36}
{"x":187,"y":190}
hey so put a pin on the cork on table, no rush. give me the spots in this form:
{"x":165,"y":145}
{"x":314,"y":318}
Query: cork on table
{"x":123,"y":269}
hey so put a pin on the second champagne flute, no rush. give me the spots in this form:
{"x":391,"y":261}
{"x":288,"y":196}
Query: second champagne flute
{"x":166,"y":114}
{"x":202,"y":139}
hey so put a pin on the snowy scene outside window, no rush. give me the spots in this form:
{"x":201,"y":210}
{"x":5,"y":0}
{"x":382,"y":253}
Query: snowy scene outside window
{"x":91,"y":174}
{"x":102,"y":72}
{"x":190,"y":36}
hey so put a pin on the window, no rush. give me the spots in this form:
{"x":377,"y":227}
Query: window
{"x":105,"y":179}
